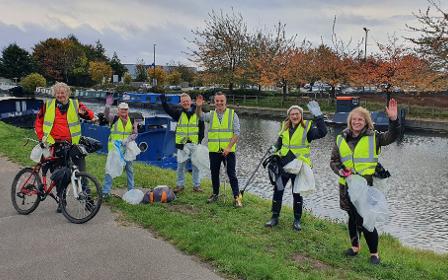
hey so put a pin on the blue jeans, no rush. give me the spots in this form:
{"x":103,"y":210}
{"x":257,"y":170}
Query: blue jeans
{"x":129,"y":173}
{"x":180,"y":174}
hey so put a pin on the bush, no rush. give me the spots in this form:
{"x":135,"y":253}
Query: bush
{"x":33,"y":80}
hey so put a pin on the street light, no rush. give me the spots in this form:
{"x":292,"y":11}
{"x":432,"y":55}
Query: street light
{"x":365,"y":43}
{"x":154,"y":79}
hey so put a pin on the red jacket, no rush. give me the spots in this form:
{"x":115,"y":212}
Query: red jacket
{"x":60,"y":130}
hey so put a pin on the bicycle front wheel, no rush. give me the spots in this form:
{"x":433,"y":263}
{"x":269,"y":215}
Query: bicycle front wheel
{"x":24,"y":191}
{"x":81,"y":207}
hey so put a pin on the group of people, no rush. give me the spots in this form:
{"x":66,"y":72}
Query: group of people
{"x":355,"y":151}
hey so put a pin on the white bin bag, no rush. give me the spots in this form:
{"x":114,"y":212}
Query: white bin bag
{"x":201,"y":160}
{"x":132,"y":151}
{"x":134,"y":196}
{"x":115,"y":161}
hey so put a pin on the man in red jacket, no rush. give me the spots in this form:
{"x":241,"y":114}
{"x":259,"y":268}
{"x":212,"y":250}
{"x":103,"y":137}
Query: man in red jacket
{"x":58,"y":121}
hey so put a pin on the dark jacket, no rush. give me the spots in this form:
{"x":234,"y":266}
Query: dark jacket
{"x":382,"y":139}
{"x":175,"y":114}
{"x":318,"y":130}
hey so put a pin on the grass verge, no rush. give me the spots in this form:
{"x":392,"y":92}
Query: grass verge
{"x":235,"y":242}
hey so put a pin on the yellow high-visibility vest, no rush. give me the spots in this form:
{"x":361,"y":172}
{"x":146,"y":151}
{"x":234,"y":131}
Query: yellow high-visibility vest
{"x":298,"y":144}
{"x":187,"y":129}
{"x":220,"y":133}
{"x":72,"y":118}
{"x":363,"y":159}
{"x":119,"y":132}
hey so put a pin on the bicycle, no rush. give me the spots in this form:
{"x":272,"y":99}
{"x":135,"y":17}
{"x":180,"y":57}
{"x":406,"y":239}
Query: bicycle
{"x":80,"y":192}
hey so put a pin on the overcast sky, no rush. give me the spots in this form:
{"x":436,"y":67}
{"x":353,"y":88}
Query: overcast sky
{"x":131,"y":27}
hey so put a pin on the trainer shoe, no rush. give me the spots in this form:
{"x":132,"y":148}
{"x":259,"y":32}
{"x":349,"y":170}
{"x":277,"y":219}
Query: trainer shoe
{"x":272,"y":222}
{"x":178,"y":189}
{"x":213,"y":198}
{"x":350,"y":252}
{"x":238,"y":203}
{"x":198,"y":189}
{"x":374,"y":260}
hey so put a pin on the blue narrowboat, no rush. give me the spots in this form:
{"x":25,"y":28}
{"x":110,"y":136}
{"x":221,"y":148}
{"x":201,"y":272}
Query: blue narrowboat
{"x":148,"y":99}
{"x":155,"y":140}
{"x":20,"y":112}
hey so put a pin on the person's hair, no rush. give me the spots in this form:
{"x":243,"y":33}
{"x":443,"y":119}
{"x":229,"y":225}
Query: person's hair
{"x":364,"y":113}
{"x":61,"y":87}
{"x":220,"y":93}
{"x":288,"y":123}
{"x":185,"y":95}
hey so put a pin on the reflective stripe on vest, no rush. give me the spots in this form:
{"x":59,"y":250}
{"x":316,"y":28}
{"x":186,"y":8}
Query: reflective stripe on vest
{"x":118,"y":132}
{"x":220,"y":133}
{"x":187,"y":129}
{"x":298,"y":144}
{"x":363,"y":159}
{"x":72,"y":119}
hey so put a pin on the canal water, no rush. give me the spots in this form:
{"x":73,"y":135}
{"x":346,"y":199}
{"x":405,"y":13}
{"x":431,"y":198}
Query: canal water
{"x":417,"y":191}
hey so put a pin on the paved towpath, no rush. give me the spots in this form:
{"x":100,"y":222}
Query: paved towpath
{"x":44,"y":245}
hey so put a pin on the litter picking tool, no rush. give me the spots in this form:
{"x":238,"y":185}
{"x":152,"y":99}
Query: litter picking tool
{"x":225,"y":180}
{"x":253,"y":174}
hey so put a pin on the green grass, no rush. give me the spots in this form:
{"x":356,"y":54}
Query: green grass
{"x":235,"y":242}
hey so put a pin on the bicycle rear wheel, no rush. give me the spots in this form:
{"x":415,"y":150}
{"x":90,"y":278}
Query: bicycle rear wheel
{"x":24,"y":191}
{"x":83,"y":208}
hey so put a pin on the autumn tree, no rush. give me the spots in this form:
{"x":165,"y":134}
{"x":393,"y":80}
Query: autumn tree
{"x":127,"y":79}
{"x":33,"y":80}
{"x":159,"y":74}
{"x":174,"y":77}
{"x":432,"y":43}
{"x":15,"y":62}
{"x":100,"y":71}
{"x":221,"y":48}
{"x":48,"y":56}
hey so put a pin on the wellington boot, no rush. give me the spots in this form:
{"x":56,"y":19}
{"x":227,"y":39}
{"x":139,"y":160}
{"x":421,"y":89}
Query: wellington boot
{"x":272,"y":222}
{"x":296,"y":225}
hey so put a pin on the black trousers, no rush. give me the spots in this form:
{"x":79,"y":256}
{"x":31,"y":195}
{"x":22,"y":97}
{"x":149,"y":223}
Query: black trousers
{"x":355,"y":229}
{"x":215,"y":165}
{"x":277,"y":199}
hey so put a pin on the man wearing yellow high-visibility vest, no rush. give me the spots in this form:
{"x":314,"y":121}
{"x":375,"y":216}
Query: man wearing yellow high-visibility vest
{"x":356,"y":151}
{"x":58,"y":121}
{"x":122,"y":131}
{"x":189,"y":133}
{"x":223,"y":133}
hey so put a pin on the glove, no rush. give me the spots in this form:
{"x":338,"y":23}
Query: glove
{"x":42,"y":145}
{"x":272,"y":149}
{"x":163,"y":98}
{"x":314,"y":108}
{"x":345,"y":172}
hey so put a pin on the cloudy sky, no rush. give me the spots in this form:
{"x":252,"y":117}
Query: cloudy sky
{"x":131,"y":27}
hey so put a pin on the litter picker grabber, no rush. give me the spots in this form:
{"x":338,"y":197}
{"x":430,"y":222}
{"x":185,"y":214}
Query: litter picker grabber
{"x":253,"y":173}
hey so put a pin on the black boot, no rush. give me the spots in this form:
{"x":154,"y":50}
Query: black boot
{"x":297,"y":207}
{"x":272,"y":222}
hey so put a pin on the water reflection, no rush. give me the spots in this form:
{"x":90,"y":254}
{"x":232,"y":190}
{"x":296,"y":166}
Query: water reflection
{"x":417,"y":192}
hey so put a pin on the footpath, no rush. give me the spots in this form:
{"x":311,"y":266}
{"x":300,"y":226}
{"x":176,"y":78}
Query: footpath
{"x":44,"y":245}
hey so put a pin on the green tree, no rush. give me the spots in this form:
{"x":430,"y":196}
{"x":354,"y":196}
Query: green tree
{"x":33,"y":80}
{"x":99,"y":71}
{"x":15,"y":62}
{"x":142,"y":75}
{"x":187,"y":74}
{"x":117,"y":68}
{"x":174,"y":78}
{"x":127,"y":78}
{"x":48,"y":56}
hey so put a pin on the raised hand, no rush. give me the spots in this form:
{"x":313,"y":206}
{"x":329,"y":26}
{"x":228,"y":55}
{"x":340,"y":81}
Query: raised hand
{"x":392,"y":109}
{"x":109,"y":99}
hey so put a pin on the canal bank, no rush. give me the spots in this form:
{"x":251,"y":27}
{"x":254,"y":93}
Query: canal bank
{"x":235,"y":242}
{"x":418,"y":125}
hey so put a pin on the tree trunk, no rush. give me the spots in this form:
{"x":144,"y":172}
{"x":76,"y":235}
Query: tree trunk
{"x":231,"y":87}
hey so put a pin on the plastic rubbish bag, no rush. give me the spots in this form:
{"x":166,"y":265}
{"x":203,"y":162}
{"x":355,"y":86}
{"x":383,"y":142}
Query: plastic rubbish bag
{"x":370,"y":203}
{"x":132,"y":151}
{"x":36,"y":153}
{"x":293,"y":167}
{"x":134,"y":196}
{"x":184,"y":154}
{"x":304,"y":182}
{"x":201,"y":160}
{"x":114,"y":163}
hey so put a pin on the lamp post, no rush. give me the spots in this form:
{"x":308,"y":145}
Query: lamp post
{"x":365,"y":51}
{"x":154,"y":79}
{"x":365,"y":43}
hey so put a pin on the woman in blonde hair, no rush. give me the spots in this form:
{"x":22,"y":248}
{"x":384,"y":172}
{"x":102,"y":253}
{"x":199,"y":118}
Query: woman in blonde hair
{"x":356,"y":151}
{"x":294,"y":142}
